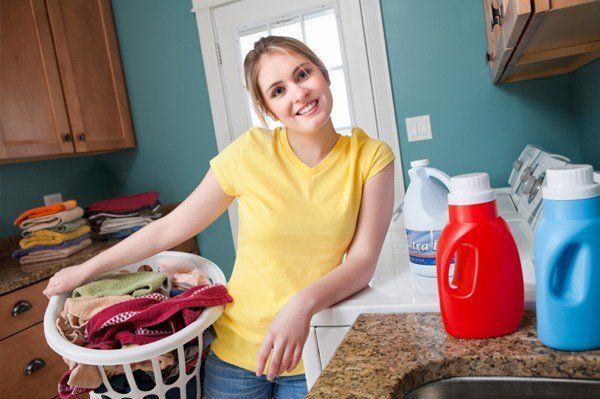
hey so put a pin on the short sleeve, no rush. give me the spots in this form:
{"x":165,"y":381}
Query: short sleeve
{"x":379,"y":156}
{"x":226,"y":165}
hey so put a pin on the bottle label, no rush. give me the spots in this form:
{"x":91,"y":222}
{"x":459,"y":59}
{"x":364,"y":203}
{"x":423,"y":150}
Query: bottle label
{"x":422,"y":246}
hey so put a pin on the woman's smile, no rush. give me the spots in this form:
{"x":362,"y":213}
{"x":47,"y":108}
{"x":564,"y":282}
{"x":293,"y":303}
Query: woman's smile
{"x":309,"y":109}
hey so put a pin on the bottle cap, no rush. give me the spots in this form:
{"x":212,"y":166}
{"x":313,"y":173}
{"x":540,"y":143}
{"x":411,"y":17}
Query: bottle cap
{"x":570,"y":182}
{"x":419,"y":163}
{"x":470,"y":189}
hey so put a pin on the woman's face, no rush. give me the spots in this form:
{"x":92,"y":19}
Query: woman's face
{"x":295,"y":91}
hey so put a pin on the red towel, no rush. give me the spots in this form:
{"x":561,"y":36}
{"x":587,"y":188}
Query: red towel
{"x":126,"y":203}
{"x":152,"y":317}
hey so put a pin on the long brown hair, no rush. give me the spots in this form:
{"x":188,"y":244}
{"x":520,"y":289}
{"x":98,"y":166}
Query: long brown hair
{"x":269,"y":44}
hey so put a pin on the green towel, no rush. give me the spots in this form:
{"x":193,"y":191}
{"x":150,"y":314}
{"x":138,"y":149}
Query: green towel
{"x":135,"y":284}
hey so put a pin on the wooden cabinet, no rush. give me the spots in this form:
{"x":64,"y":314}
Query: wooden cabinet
{"x":62,"y":84}
{"x":530,"y":39}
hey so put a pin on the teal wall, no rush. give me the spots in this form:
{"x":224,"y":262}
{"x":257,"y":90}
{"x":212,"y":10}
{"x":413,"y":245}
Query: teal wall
{"x":586,"y":107}
{"x":161,"y":56}
{"x":23,"y":185}
{"x":436,"y":57}
{"x":436,"y":68}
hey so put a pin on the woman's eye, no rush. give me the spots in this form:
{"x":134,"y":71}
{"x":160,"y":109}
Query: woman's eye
{"x":303,"y":74}
{"x":277,"y":92}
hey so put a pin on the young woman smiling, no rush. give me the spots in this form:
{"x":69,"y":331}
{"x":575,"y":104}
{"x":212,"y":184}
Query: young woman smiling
{"x":306,"y":196}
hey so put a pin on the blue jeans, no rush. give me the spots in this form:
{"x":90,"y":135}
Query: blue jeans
{"x":226,"y":381}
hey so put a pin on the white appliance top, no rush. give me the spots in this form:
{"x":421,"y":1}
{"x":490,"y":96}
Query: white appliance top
{"x":394,"y":287}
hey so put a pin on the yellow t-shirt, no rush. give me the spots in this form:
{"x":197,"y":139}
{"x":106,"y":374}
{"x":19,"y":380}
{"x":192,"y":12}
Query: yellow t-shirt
{"x":295,"y":224}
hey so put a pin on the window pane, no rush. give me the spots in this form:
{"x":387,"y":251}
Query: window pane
{"x":290,"y":27}
{"x":247,"y":39}
{"x":322,"y":36}
{"x":340,"y":115}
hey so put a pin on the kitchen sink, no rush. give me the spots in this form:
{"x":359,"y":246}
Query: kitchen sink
{"x":507,"y":387}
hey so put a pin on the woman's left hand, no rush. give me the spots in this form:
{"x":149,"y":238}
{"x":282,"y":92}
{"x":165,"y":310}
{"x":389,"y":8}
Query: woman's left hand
{"x":285,"y":339}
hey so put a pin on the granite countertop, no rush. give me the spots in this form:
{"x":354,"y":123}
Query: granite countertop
{"x":13,"y":275}
{"x":388,"y":355}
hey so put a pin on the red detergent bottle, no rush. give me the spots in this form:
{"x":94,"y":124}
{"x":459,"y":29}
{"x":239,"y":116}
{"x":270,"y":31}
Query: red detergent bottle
{"x":484,"y":298}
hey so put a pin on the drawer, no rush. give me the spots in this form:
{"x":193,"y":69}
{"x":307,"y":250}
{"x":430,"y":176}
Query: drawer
{"x":22,"y":349}
{"x":28,"y":306}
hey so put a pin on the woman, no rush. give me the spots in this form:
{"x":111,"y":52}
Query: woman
{"x":306,"y":195}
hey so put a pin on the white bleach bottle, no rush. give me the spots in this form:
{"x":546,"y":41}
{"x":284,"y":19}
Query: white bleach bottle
{"x":425,"y":214}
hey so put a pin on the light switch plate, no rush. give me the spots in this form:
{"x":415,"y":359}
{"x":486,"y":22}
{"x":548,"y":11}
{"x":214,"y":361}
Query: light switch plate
{"x":50,"y":199}
{"x":418,"y":128}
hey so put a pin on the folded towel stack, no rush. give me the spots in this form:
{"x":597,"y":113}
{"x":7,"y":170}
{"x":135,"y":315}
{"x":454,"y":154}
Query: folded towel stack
{"x":120,"y":217}
{"x":51,"y":232}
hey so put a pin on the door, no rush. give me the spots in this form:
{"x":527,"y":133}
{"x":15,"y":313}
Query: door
{"x":90,"y":68}
{"x":333,"y":29}
{"x":315,"y":22}
{"x":33,"y":115}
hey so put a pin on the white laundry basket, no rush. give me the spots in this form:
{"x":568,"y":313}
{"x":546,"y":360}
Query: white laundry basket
{"x":150,"y":351}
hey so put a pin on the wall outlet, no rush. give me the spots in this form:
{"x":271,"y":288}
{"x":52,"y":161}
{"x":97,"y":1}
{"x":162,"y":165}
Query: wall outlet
{"x":50,"y":199}
{"x":418,"y":128}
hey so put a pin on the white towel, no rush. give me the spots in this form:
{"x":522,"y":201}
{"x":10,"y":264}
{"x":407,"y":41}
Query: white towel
{"x":44,"y":222}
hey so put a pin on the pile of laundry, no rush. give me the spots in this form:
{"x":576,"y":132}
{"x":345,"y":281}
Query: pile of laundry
{"x":50,"y":232}
{"x":120,"y":217}
{"x":128,"y":309}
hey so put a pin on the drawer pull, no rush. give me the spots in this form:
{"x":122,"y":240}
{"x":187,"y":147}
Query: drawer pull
{"x":34,"y":366}
{"x":20,"y":307}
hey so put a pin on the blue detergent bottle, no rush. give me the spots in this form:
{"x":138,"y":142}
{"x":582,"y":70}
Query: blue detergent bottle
{"x":567,"y":260}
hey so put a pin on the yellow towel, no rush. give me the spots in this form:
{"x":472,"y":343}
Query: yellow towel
{"x":49,"y":237}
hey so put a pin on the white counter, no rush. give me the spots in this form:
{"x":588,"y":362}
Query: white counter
{"x":395,"y":288}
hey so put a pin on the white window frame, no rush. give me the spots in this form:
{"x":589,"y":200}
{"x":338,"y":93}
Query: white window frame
{"x":374,"y":38}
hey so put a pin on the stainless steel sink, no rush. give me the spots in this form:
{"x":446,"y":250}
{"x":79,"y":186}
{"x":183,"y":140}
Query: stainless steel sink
{"x":507,"y":387}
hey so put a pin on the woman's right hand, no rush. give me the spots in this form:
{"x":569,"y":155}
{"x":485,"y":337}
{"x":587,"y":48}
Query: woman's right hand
{"x":67,"y":279}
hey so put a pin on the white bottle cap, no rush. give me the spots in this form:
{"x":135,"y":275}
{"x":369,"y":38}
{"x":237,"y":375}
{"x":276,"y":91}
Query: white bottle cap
{"x":570,"y":182}
{"x":419,"y":163}
{"x":470,"y":189}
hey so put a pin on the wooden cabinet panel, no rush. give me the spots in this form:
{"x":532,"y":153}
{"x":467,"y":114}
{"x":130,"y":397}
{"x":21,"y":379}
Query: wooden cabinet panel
{"x":90,"y":67}
{"x":22,"y":309}
{"x":530,"y":39}
{"x":17,"y":352}
{"x":562,"y":36}
{"x":504,"y":26}
{"x":32,"y":109}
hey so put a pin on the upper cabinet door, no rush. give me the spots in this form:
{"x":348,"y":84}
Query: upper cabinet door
{"x":33,"y":115}
{"x":90,"y":67}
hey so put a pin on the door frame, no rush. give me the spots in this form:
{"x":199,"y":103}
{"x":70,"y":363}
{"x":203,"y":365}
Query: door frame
{"x":374,"y":39}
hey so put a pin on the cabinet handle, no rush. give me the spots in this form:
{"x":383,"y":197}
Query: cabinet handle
{"x":68,"y":137}
{"x":34,"y":366}
{"x":81,"y":136}
{"x":20,"y":307}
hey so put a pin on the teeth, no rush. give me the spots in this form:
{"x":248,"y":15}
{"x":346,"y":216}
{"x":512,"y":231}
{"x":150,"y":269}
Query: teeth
{"x":307,"y":108}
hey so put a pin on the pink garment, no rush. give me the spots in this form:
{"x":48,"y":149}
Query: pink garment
{"x":77,"y":311}
{"x":183,"y":273}
{"x":152,"y":317}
